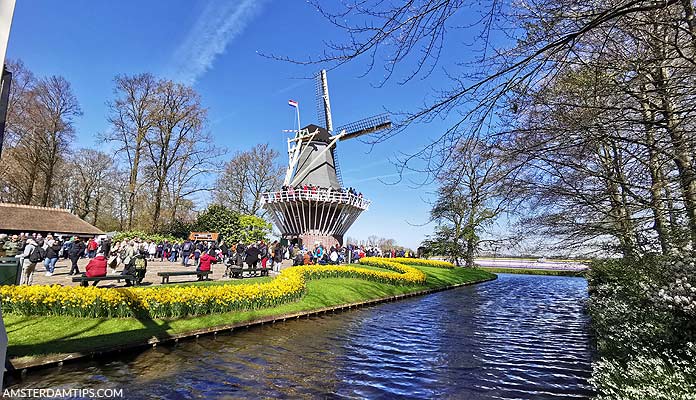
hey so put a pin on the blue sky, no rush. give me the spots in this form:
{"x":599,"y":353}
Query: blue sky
{"x":215,"y":46}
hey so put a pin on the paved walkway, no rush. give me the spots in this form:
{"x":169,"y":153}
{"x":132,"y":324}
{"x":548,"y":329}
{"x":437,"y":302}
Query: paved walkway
{"x":61,"y":277}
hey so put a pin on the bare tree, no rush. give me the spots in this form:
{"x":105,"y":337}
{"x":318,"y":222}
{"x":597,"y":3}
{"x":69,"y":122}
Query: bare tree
{"x":52,"y":116}
{"x":246,"y":176}
{"x":473,"y":192}
{"x":609,"y":164}
{"x":40,"y":128}
{"x":92,"y":173}
{"x":177,"y":136}
{"x":131,"y":118}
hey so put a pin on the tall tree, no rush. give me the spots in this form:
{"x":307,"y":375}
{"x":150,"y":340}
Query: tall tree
{"x":472,"y":194}
{"x":55,"y":108}
{"x":246,"y":177}
{"x":131,"y":118}
{"x":177,"y":135}
{"x":92,"y":172}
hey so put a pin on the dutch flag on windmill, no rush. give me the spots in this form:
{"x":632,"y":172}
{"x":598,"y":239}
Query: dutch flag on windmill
{"x":292,"y":103}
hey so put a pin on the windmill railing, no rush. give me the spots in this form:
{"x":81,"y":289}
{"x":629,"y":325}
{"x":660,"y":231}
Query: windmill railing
{"x":316,"y":195}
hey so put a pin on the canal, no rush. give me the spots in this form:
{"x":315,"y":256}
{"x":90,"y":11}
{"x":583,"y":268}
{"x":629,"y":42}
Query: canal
{"x":518,"y":337}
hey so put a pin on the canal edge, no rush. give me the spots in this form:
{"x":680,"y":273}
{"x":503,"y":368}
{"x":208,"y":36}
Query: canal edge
{"x":20,"y":367}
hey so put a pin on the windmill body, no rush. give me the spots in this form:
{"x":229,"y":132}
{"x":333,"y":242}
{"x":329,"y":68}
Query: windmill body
{"x":313,"y":206}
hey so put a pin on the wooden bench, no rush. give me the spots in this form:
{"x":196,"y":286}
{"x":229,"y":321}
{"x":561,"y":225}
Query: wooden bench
{"x":201,"y":275}
{"x":84,"y":280}
{"x":238,"y":272}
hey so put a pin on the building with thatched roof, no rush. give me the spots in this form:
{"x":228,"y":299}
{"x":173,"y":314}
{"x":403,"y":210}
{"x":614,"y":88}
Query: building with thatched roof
{"x":17,"y":218}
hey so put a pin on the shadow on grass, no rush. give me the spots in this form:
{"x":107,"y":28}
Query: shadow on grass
{"x":78,"y":339}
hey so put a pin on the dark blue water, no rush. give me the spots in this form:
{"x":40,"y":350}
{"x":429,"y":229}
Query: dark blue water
{"x":519,"y":337}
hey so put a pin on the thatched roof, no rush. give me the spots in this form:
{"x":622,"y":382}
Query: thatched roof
{"x":20,"y":218}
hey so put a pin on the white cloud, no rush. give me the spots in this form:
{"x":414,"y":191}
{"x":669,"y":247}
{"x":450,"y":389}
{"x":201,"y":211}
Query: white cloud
{"x":218,"y":24}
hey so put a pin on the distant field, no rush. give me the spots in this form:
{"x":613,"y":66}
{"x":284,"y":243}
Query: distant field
{"x":535,"y":259}
{"x":519,"y":263}
{"x":531,"y":271}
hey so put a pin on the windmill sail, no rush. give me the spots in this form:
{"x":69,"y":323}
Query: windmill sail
{"x":365,"y":126}
{"x":323,"y":103}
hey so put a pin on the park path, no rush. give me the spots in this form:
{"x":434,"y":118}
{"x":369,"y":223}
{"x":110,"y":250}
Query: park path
{"x":61,"y":277}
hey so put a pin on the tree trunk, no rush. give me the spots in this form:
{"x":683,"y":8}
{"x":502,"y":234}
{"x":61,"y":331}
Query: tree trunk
{"x":681,"y":154}
{"x":470,"y":252}
{"x":133,"y":179}
{"x":620,"y":217}
{"x":32,"y":182}
{"x":656,"y":182}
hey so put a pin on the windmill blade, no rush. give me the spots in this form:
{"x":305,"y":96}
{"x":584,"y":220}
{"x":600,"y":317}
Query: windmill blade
{"x":323,"y":103}
{"x":365,"y":126}
{"x":337,"y":166}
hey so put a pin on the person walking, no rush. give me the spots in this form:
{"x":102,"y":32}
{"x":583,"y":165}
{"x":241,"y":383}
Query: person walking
{"x":66,"y":248}
{"x":106,"y":247}
{"x":76,"y":251}
{"x":277,"y":256}
{"x":186,"y":252}
{"x":152,"y":250}
{"x":92,"y":246}
{"x":52,"y":249}
{"x":32,"y":254}
{"x":175,"y":253}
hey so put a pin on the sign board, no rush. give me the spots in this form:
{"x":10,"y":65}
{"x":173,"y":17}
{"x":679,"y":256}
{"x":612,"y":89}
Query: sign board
{"x":204,"y":236}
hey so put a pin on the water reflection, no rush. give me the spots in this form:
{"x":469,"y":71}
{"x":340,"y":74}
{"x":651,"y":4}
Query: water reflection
{"x":517,"y":337}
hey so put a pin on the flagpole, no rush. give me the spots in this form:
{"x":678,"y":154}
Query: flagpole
{"x":297,"y":107}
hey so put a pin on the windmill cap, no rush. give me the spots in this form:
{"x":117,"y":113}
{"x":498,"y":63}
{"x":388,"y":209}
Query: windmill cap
{"x":322,"y":136}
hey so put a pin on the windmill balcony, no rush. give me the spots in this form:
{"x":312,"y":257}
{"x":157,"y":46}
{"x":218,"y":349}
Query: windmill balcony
{"x":320,"y":195}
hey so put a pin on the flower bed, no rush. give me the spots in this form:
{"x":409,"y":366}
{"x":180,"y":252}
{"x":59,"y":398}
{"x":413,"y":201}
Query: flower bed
{"x":169,"y":302}
{"x":643,"y":315}
{"x":423,"y":262}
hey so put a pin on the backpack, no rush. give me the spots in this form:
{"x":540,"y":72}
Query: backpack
{"x":187,"y":246}
{"x":37,"y":255}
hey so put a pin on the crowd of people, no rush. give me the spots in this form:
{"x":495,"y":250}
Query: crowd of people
{"x":316,"y":191}
{"x":33,"y":249}
{"x":131,"y":256}
{"x":337,"y":254}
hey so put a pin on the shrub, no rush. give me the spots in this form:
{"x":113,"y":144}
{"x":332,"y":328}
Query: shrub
{"x":153,"y":237}
{"x":643,"y":320}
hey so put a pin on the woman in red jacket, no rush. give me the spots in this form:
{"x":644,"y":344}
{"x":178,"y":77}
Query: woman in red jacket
{"x":96,"y":267}
{"x":204,"y":263}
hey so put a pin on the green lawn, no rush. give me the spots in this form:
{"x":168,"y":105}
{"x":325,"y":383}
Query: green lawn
{"x":36,"y":335}
{"x":529,"y":271}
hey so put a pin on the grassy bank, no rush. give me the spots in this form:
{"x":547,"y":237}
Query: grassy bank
{"x":43,"y":335}
{"x":529,"y":271}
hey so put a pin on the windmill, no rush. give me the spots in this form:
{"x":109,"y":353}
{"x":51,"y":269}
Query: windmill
{"x":328,"y":210}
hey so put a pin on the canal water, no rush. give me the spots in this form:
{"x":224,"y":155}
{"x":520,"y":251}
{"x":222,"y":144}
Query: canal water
{"x":518,"y":337}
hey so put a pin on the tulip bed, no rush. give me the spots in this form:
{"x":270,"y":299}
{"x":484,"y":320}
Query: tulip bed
{"x":181,"y":301}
